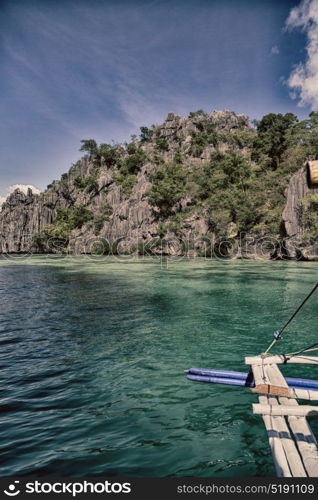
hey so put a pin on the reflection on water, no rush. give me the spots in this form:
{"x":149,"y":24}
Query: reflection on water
{"x":92,"y":360}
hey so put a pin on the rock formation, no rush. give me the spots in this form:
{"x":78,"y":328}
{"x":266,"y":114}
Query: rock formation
{"x":125,"y":219}
{"x":297,"y":191}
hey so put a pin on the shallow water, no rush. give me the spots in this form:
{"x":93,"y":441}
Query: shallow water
{"x":92,"y":359}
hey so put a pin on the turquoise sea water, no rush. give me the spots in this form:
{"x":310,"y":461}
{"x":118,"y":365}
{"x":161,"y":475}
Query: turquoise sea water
{"x":92,"y":358}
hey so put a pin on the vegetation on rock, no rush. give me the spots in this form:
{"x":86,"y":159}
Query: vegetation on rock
{"x":57,"y":235}
{"x":90,"y":183}
{"x":212,"y":166}
{"x":168,"y":187}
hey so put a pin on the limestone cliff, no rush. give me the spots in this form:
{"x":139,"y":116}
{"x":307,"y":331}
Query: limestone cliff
{"x":103,"y":204}
{"x":298,"y":192}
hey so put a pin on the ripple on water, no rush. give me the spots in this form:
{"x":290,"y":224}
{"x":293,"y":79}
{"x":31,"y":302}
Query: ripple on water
{"x":92,"y":360}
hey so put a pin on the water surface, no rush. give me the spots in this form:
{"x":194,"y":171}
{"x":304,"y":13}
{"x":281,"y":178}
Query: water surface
{"x":92,"y":359}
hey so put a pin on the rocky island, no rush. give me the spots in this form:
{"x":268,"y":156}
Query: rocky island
{"x":209,"y":184}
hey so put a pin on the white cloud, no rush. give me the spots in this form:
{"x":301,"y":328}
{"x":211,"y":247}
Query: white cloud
{"x":303,"y":80}
{"x":274,"y":50}
{"x":23,"y":187}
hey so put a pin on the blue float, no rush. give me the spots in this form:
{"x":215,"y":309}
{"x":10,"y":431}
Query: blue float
{"x":229,"y":377}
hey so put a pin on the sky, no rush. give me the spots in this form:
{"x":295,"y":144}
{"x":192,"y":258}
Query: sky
{"x":78,"y":69}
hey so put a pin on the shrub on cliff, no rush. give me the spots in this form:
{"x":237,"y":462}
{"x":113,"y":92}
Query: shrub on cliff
{"x":174,"y":224}
{"x":126,"y":181}
{"x":98,"y":223}
{"x":52,"y":238}
{"x":89,"y":182}
{"x":134,"y":161}
{"x":74,"y":216}
{"x":162,"y":144}
{"x":99,"y":219}
{"x":202,"y":139}
{"x":199,"y":112}
{"x":168,"y":187}
{"x":106,"y":153}
{"x":56,"y":236}
{"x":109,"y":154}
{"x":130,"y":167}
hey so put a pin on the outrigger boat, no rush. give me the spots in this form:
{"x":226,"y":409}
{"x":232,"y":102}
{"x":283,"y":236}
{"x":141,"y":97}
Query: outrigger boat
{"x":293,"y":444}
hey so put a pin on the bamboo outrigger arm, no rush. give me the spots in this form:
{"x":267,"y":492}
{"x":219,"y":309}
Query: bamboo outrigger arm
{"x":293,"y":444}
{"x":281,"y":359}
{"x":285,"y":410}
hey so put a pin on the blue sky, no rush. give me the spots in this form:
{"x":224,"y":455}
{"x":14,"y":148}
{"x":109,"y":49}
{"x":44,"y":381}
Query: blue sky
{"x":101,"y":68}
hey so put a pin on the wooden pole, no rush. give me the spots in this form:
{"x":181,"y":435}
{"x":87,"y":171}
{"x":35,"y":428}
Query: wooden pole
{"x":276,"y":445}
{"x":270,"y":360}
{"x":286,"y":410}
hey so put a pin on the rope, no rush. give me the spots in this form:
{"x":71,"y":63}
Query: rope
{"x":278,"y":334}
{"x":306,"y":349}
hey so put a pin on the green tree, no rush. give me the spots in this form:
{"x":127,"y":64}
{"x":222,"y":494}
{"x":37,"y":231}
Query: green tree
{"x":134,"y":161}
{"x":145,"y":134}
{"x":89,"y":146}
{"x":56,"y":236}
{"x":109,"y":153}
{"x":224,"y":171}
{"x":74,"y":216}
{"x":272,"y":138}
{"x":199,"y":112}
{"x":305,"y":133}
{"x":168,"y":187}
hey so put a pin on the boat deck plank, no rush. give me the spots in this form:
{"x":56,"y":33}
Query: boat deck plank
{"x":293,"y":444}
{"x":278,"y":452}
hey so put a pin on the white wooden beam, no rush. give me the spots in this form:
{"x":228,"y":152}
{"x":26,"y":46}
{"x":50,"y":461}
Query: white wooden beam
{"x":269,"y":360}
{"x":286,"y":410}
